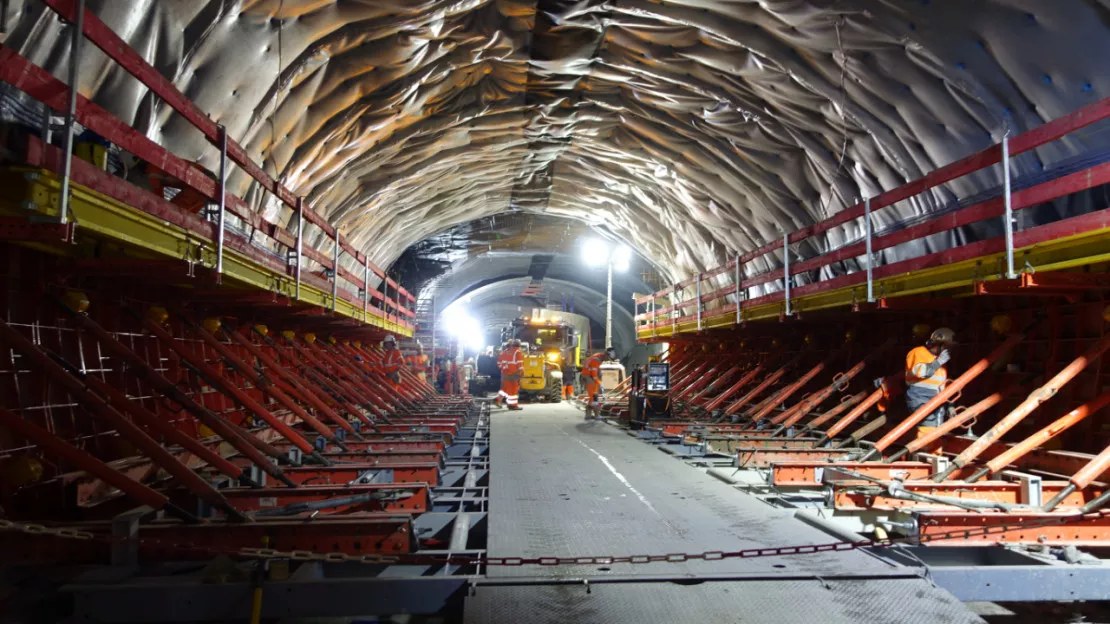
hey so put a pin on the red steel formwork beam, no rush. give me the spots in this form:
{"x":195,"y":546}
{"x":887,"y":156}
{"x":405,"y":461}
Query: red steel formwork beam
{"x":263,"y":384}
{"x":311,"y":371}
{"x":961,"y":419}
{"x":155,"y":424}
{"x":401,"y":498}
{"x":407,"y":472}
{"x":950,"y":390}
{"x":66,"y":452}
{"x":962,"y":528}
{"x":244,"y":442}
{"x":859,"y":495}
{"x":769,"y":381}
{"x":845,"y":403}
{"x":1026,"y":446}
{"x":790,"y":390}
{"x":1035,"y":400}
{"x":715,"y":383}
{"x":816,"y":473}
{"x":395,"y":445}
{"x":214,"y":377}
{"x":301,"y":387}
{"x":99,"y":408}
{"x":356,"y":393}
{"x":859,"y":410}
{"x":839,"y":381}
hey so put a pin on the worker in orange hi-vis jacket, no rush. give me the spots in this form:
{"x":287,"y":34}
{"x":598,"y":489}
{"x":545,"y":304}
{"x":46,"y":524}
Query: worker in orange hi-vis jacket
{"x":418,"y":362}
{"x":392,"y":361}
{"x":591,"y":376}
{"x":926,"y":376}
{"x":511,"y":363}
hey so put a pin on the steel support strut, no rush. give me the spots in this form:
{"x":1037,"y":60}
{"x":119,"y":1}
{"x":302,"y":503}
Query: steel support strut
{"x":76,"y":36}
{"x":257,"y":451}
{"x":96,"y":406}
{"x":1039,"y":396}
{"x":221,"y":202}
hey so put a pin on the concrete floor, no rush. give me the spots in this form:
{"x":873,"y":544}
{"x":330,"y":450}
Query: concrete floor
{"x":564,"y":487}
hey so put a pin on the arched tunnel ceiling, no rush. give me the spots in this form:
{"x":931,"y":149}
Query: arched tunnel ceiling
{"x":692,"y":129}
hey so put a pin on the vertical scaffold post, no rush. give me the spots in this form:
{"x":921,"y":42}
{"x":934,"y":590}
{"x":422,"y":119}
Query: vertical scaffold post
{"x":76,"y":35}
{"x":699,"y":302}
{"x":221,"y":205}
{"x":870,"y":262}
{"x":365,"y":287}
{"x":300,"y":246}
{"x":335,"y":272}
{"x":786,"y":270}
{"x":675,"y":310}
{"x":653,"y":315}
{"x":1008,"y":211}
{"x":739,"y":290}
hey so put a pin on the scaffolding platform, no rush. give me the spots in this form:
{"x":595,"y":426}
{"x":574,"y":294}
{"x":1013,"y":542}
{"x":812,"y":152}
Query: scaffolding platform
{"x":564,"y":487}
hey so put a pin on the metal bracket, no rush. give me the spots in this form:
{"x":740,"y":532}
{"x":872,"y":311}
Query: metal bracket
{"x":939,"y":463}
{"x":1032,"y":492}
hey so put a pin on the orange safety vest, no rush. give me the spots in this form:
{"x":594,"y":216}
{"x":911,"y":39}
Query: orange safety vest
{"x":392,"y":361}
{"x":917,"y":361}
{"x":510,"y":362}
{"x":592,"y":369}
{"x":417,"y":362}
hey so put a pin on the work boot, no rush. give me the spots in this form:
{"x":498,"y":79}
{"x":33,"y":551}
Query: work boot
{"x":515,"y":408}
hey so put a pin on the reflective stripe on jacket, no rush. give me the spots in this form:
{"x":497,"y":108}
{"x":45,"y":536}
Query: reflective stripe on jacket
{"x":917,"y":370}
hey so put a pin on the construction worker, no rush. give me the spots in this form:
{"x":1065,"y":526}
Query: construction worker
{"x":511,"y":363}
{"x":926,"y":376}
{"x":418,"y":362}
{"x":392,"y":361}
{"x":591,"y":375}
{"x":568,"y":379}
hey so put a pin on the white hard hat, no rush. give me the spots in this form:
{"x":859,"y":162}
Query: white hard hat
{"x":389,"y":339}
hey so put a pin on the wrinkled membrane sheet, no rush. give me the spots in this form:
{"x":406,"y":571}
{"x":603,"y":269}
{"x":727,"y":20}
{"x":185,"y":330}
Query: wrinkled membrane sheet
{"x":692,"y":129}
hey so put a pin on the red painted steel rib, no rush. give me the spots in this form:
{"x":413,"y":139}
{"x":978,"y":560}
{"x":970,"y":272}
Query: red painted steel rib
{"x":715,"y":382}
{"x":737,"y":405}
{"x":262,"y":384}
{"x":217,"y":380}
{"x":46,"y":365}
{"x":841,"y":380}
{"x":734,"y":388}
{"x":845,"y":403}
{"x":55,"y":447}
{"x":357,"y":388}
{"x":300,"y":387}
{"x":1035,"y":399}
{"x":959,"y":420}
{"x":950,"y":390}
{"x":172,"y":434}
{"x":241,"y":440}
{"x":320,"y":377}
{"x":1026,"y":446}
{"x":791,"y":389}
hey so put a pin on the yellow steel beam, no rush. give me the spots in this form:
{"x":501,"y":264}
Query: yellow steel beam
{"x":1060,"y":254}
{"x":33,"y":191}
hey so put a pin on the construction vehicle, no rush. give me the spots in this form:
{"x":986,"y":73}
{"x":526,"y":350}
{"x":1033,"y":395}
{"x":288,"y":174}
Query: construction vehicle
{"x":551,"y":340}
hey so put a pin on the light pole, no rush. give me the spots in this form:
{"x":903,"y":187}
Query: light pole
{"x":596,"y":253}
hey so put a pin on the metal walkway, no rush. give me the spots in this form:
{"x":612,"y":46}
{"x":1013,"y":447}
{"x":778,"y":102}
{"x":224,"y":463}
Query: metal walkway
{"x":564,"y":487}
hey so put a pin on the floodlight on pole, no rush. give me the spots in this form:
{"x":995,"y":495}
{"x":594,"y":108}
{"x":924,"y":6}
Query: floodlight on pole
{"x":596,"y":253}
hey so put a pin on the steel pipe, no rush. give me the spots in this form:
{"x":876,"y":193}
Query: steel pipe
{"x":76,"y":36}
{"x":1035,"y":400}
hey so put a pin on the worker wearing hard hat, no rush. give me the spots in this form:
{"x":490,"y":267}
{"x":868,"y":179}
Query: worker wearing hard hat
{"x":591,"y":376}
{"x":926,"y":376}
{"x":392,"y":361}
{"x":511,"y":363}
{"x":418,"y":362}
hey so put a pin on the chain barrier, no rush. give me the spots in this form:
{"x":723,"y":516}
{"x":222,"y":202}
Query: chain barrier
{"x":486,"y":560}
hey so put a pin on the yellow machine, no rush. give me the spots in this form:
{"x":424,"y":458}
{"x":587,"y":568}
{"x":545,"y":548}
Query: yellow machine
{"x":552,"y":342}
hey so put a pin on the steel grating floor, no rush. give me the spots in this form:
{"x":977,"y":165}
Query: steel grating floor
{"x":563,"y":487}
